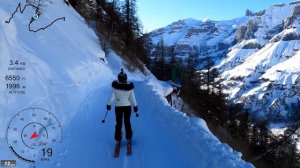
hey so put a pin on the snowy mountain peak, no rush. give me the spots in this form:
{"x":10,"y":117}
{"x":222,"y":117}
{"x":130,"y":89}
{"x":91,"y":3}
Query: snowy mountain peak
{"x":257,"y":55}
{"x":187,"y":22}
{"x":255,"y":69}
{"x":206,"y":20}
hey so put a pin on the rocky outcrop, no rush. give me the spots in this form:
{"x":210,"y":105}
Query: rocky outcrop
{"x":258,"y":56}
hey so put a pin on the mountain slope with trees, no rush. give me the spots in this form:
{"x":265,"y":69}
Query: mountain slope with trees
{"x":242,"y":74}
{"x":250,"y":54}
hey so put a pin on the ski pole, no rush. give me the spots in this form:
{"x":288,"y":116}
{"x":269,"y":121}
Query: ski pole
{"x":103,"y":121}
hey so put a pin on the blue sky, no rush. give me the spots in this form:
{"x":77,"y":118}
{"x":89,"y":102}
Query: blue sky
{"x":159,"y":13}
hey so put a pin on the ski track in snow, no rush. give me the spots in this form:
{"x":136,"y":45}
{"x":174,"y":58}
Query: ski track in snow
{"x":158,"y":140}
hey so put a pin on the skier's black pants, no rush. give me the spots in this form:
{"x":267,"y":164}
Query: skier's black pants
{"x":120,"y":112}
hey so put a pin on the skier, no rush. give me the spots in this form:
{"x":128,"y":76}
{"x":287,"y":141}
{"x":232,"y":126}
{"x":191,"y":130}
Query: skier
{"x":124,"y":95}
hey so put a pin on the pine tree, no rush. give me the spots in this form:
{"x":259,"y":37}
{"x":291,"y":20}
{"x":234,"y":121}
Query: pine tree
{"x":174,"y":69}
{"x":158,"y":62}
{"x":87,"y":9}
{"x":207,"y":63}
{"x":131,"y":24}
{"x":73,"y":3}
{"x":191,"y":65}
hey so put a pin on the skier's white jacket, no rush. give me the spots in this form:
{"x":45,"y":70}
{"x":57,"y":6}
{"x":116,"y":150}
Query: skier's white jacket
{"x":123,"y":93}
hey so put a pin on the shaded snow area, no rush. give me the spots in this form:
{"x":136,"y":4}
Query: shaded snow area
{"x":67,"y":74}
{"x":163,"y":137}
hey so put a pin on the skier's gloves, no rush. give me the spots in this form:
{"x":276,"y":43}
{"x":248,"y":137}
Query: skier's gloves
{"x":137,"y":114}
{"x":108,"y":107}
{"x":135,"y":109}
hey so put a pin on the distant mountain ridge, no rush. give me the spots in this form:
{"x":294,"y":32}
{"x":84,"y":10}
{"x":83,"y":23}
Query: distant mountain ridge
{"x":204,"y":37}
{"x":258,"y":56}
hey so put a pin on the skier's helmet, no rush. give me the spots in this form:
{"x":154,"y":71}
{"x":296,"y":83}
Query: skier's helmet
{"x":122,"y":77}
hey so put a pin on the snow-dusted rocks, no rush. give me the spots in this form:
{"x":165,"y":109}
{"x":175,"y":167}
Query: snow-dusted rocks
{"x":257,"y":55}
{"x":264,"y":77}
{"x":203,"y":37}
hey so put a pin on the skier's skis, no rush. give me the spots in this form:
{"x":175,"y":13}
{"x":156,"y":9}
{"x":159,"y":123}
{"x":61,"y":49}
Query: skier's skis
{"x":117,"y":149}
{"x":129,"y":149}
{"x":118,"y":146}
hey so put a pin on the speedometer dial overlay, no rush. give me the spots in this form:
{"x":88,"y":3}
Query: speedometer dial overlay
{"x":32,"y":134}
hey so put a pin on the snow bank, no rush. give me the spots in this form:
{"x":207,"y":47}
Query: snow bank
{"x":62,"y":62}
{"x":160,"y":87}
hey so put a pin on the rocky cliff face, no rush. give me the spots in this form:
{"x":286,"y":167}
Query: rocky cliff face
{"x":258,"y":56}
{"x":207,"y":37}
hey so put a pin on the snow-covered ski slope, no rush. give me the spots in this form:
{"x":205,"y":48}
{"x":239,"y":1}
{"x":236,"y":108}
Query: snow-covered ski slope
{"x":68,"y":74}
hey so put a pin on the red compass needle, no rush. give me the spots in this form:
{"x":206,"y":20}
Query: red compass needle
{"x":34,"y":135}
